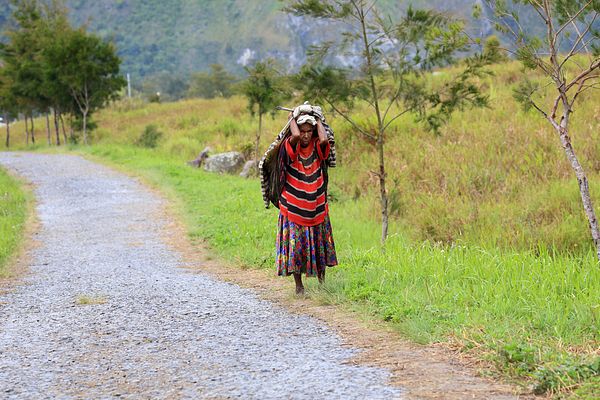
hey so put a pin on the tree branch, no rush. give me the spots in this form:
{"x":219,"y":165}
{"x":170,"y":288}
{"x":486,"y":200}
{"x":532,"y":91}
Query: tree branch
{"x":539,"y":109}
{"x":354,"y":124}
{"x":555,"y":107}
{"x":583,"y":87}
{"x":571,"y":19}
{"x":579,"y":39}
{"x":395,"y":117}
{"x":595,"y":65}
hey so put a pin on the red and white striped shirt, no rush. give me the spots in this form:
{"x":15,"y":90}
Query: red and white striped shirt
{"x":304,"y":196}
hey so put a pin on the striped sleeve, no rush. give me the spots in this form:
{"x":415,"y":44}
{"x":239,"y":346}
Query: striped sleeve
{"x":323,"y":153}
{"x":291,"y":152}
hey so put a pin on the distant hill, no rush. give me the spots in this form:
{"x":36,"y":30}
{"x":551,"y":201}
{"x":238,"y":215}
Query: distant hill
{"x":181,"y":36}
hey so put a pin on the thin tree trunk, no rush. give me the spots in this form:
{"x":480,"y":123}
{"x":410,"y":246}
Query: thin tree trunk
{"x":26,"y":131}
{"x":258,"y":135}
{"x":62,"y":123}
{"x":380,"y":130}
{"x":383,"y":191}
{"x":48,"y":134}
{"x":7,"y":130}
{"x":71,"y":133}
{"x":584,"y":188}
{"x":32,"y":129}
{"x":85,"y":128}
{"x":56,"y":128}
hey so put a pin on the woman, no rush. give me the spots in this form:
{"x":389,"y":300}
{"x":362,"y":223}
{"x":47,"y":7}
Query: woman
{"x":304,"y":239}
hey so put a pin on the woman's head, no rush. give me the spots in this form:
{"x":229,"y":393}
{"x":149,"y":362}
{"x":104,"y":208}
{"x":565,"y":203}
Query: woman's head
{"x":306,"y":125}
{"x":307,"y":132}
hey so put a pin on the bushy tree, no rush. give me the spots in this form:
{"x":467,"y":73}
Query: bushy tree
{"x":48,"y":64}
{"x":215,"y":83}
{"x":574,"y":25}
{"x":22,"y":70}
{"x":389,"y":59}
{"x":264,"y":88}
{"x":89,"y":68}
{"x":7,"y":104}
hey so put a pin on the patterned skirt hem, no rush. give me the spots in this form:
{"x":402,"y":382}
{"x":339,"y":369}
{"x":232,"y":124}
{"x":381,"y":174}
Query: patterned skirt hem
{"x":304,"y":249}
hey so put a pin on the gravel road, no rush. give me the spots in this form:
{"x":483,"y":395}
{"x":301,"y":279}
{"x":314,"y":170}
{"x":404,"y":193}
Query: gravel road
{"x":106,"y":312}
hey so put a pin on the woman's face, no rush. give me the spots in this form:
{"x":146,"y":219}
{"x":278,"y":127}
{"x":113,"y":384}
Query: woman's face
{"x":306,"y":132}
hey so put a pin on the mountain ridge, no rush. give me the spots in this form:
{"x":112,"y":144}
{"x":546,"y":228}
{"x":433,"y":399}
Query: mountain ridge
{"x":178,"y":37}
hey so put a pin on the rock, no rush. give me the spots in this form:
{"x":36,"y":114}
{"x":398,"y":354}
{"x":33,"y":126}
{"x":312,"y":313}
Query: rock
{"x":249,"y":169}
{"x":229,"y":162}
{"x":197,"y":163}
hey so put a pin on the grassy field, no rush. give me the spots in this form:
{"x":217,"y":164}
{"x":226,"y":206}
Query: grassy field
{"x":13,"y":212}
{"x":489,"y":247}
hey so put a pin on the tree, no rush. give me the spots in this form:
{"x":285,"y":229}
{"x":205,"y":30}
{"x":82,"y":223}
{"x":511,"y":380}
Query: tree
{"x":216,"y":83}
{"x":390,"y":60}
{"x":53,"y":27}
{"x":570,"y":73}
{"x":264,"y":89}
{"x":88,"y":68}
{"x":21,"y":57}
{"x":7,"y":103}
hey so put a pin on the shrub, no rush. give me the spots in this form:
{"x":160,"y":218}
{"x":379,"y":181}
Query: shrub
{"x":150,"y":137}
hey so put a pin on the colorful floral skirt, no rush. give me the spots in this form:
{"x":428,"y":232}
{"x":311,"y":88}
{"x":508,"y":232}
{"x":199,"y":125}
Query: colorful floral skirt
{"x":304,"y":249}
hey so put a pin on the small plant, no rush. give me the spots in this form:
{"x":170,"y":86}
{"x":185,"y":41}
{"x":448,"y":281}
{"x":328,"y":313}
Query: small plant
{"x":519,"y":358}
{"x":86,"y":300}
{"x":564,"y":376}
{"x":150,"y":137}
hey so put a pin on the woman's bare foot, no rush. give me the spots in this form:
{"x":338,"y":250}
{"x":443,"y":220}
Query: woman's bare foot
{"x":299,"y":285}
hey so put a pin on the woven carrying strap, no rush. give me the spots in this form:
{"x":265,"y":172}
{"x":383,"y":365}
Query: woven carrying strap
{"x":271,"y":177}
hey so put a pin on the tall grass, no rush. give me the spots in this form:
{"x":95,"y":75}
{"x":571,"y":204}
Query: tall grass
{"x":13,"y":212}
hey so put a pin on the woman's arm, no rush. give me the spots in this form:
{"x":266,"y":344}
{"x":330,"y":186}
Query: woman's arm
{"x":323,"y":140}
{"x":294,"y":130}
{"x":321,"y":132}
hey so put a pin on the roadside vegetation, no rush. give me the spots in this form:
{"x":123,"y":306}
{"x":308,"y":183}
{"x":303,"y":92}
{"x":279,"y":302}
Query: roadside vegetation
{"x":13,"y":213}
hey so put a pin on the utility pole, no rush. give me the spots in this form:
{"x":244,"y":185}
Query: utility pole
{"x":128,"y":86}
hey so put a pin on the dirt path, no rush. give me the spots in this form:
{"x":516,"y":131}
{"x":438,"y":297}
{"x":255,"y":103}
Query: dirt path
{"x":106,"y":312}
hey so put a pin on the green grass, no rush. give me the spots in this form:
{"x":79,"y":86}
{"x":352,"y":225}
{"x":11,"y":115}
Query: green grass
{"x":535,"y":314}
{"x":13,"y":213}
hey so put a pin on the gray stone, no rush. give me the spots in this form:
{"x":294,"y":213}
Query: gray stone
{"x":197,"y":163}
{"x":249,"y":169}
{"x":230,"y":162}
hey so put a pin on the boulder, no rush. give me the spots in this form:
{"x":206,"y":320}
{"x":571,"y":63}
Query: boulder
{"x":229,"y":162}
{"x":250,"y":169}
{"x":200,"y":159}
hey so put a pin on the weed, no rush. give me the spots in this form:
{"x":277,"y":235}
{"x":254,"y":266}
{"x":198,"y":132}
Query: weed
{"x":85,"y":300}
{"x":149,"y":137}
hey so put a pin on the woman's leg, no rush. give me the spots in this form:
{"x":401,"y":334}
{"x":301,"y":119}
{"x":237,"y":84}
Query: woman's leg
{"x":321,"y":276}
{"x":299,"y":285}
